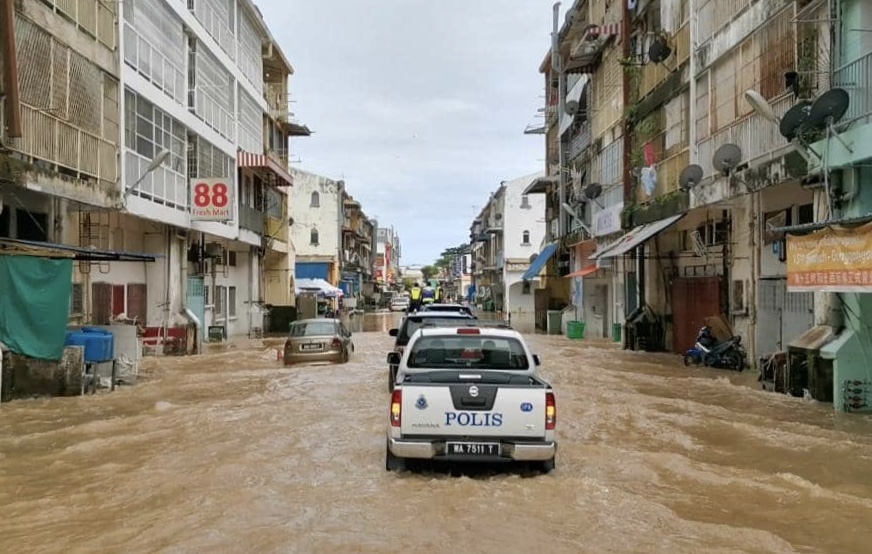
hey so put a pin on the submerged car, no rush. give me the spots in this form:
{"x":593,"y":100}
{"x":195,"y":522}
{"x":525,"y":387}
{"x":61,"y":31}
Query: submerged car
{"x":318,"y":340}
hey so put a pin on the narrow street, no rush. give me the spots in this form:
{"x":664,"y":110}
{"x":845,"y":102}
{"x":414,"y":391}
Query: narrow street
{"x":230,"y":452}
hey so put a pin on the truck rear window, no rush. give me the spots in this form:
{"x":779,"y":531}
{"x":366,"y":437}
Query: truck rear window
{"x":468,"y":352}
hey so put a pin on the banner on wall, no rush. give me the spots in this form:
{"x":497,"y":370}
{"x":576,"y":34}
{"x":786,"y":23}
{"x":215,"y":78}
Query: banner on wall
{"x":833,"y":259}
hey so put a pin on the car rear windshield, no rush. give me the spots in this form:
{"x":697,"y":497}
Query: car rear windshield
{"x":469,"y":352}
{"x":456,"y":309}
{"x":313,"y":329}
{"x":412,"y":324}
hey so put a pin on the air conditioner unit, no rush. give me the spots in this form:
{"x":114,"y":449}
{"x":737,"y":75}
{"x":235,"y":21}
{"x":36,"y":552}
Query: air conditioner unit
{"x":214,"y":250}
{"x":603,"y":263}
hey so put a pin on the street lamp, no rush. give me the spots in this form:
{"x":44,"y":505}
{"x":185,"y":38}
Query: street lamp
{"x":156,"y":162}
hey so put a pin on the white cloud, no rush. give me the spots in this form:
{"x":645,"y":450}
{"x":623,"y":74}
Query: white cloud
{"x":419,"y":105}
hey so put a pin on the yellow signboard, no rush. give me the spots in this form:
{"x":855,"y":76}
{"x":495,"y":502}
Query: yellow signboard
{"x":834,"y":259}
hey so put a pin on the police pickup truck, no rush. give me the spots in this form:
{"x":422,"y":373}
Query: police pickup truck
{"x":470,"y":394}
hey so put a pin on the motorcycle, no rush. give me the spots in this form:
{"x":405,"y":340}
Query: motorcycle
{"x":729,"y":354}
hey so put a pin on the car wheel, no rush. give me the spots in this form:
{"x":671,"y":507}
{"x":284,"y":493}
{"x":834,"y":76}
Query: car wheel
{"x":392,"y":463}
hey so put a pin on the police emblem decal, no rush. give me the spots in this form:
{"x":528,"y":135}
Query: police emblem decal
{"x":526,"y":407}
{"x":421,"y":403}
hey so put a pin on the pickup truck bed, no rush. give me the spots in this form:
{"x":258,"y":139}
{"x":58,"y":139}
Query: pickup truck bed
{"x":482,"y":416}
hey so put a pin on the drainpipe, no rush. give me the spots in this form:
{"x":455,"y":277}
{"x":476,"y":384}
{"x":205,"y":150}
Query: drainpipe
{"x":557,"y":68}
{"x":168,"y":307}
{"x":10,"y":73}
{"x":186,"y":310}
{"x":691,"y":124}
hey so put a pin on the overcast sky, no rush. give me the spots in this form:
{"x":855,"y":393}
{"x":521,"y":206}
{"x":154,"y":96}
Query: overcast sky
{"x":420,"y":105}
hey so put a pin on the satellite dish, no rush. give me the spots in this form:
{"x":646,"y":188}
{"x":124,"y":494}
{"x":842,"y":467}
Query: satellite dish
{"x":690,"y":176}
{"x":760,"y":105}
{"x":795,"y":118}
{"x":571,"y":107}
{"x":593,"y":191}
{"x":829,"y":107}
{"x":659,"y":50}
{"x":726,"y":158}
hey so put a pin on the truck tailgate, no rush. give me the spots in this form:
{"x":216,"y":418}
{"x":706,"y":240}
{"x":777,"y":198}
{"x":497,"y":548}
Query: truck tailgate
{"x":477,"y":410}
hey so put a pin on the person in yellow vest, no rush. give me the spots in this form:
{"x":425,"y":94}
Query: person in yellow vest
{"x":415,"y":298}
{"x":438,"y":293}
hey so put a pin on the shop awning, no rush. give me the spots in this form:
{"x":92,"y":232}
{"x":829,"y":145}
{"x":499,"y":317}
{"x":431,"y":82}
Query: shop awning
{"x":584,"y":272}
{"x":540,"y":185}
{"x":636,"y":237}
{"x":260,"y":161}
{"x":538,"y":264}
{"x":20,"y":247}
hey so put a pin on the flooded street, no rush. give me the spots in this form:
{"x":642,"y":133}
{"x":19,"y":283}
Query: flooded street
{"x":231,"y":452}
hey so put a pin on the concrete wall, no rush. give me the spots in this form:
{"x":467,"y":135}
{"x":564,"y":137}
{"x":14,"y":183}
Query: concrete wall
{"x":521,"y":308}
{"x":324,"y":218}
{"x":518,"y":219}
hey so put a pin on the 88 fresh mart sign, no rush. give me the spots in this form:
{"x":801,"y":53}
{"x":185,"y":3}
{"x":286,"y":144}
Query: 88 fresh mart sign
{"x":211,"y":200}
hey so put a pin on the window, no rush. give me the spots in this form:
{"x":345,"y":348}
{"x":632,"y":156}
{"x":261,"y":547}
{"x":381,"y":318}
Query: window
{"x":219,"y":300}
{"x":525,"y":201}
{"x":316,"y":200}
{"x":525,"y":287}
{"x":313,"y":329}
{"x":231,"y":302}
{"x":313,"y":236}
{"x":468,"y":351}
{"x":147,"y":131}
{"x":274,"y":203}
{"x":206,"y":296}
{"x":525,"y":238}
{"x":805,"y":214}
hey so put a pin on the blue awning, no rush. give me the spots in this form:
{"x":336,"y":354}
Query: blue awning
{"x":540,"y":261}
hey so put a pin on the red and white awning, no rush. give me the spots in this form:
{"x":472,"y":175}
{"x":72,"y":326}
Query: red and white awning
{"x":607,"y":30}
{"x":261,"y":161}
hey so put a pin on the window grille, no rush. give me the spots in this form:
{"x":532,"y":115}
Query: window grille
{"x":250,"y":53}
{"x":213,"y":92}
{"x":155,"y":45}
{"x":250,"y":123}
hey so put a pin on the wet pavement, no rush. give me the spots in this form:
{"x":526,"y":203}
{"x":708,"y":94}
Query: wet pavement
{"x":230,"y":452}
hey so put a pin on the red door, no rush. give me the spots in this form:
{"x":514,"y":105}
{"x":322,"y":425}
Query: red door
{"x":693,"y":300}
{"x":117,"y":300}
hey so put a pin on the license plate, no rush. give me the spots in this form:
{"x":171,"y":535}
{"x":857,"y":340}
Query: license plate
{"x":472,"y":448}
{"x":310,"y":347}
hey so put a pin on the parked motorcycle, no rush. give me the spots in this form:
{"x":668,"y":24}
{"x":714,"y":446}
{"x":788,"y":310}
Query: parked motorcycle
{"x":729,"y":354}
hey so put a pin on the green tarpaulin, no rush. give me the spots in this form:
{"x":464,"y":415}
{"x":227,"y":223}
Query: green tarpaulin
{"x":35,"y":305}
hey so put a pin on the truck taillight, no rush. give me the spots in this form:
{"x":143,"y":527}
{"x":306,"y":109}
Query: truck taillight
{"x":550,"y":411}
{"x":396,"y":408}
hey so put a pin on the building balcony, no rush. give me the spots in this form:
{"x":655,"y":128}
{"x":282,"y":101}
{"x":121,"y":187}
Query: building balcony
{"x":653,"y":74}
{"x":667,"y":177}
{"x":251,"y":219}
{"x":278,"y":155}
{"x":856,"y":79}
{"x":50,"y":142}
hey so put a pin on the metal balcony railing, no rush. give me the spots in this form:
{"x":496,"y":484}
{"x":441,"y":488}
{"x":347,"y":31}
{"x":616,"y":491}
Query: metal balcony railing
{"x":856,"y":79}
{"x":46,"y":137}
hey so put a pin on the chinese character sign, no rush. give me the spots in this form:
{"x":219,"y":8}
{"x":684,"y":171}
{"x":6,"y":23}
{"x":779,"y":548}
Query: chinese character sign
{"x":834,"y":259}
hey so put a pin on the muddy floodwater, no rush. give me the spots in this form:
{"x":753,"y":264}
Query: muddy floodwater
{"x":231,"y":452}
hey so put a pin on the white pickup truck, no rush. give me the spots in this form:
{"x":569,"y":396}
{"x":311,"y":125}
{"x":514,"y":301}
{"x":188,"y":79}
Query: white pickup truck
{"x":470,"y":394}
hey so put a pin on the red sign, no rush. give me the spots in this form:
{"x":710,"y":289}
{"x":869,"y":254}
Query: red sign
{"x":211,"y":200}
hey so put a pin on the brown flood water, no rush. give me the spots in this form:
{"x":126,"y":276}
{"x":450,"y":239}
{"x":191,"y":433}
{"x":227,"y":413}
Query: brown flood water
{"x":230,"y":452}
